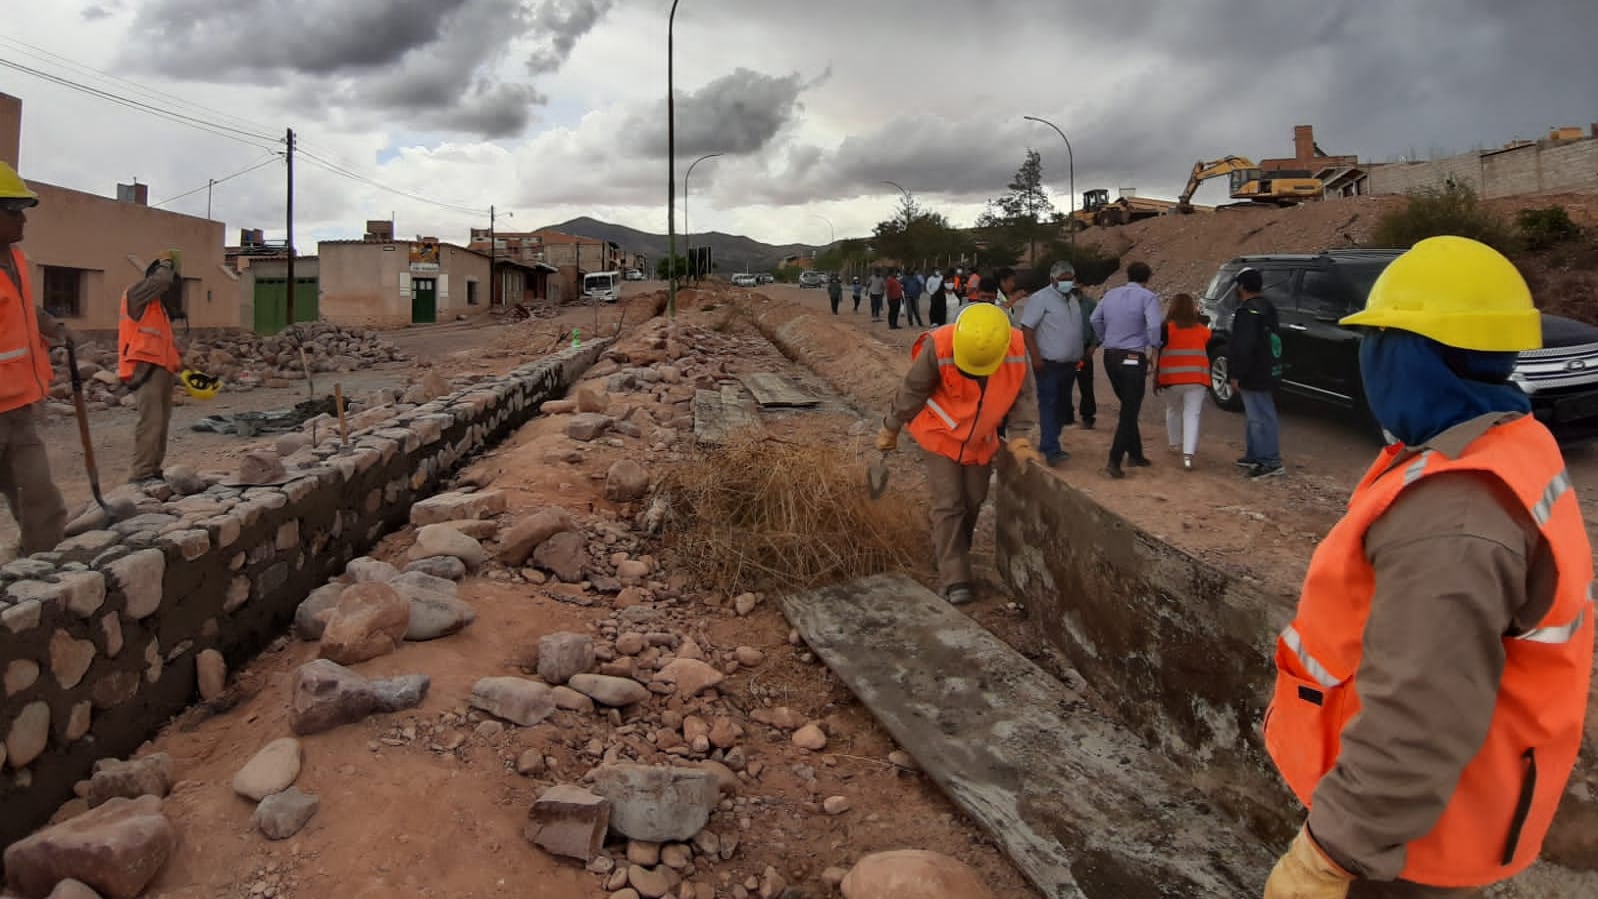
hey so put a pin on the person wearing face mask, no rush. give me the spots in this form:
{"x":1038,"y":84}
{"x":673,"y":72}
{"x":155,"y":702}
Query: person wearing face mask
{"x":1431,"y":689}
{"x":1056,"y":340}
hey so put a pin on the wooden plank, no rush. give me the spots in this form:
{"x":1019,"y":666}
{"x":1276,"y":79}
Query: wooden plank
{"x":775,"y":391}
{"x":717,"y":415}
{"x":1078,"y":802}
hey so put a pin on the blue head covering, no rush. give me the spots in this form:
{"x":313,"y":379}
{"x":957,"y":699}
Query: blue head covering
{"x":1418,"y":388}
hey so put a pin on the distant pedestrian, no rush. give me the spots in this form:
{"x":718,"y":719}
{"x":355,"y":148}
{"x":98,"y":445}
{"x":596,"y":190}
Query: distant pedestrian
{"x":913,"y":286}
{"x":1056,"y":339}
{"x":973,"y":286}
{"x":1182,"y":372}
{"x":858,"y":288}
{"x":1088,"y":404}
{"x":895,"y":289}
{"x":1127,"y":324}
{"x":835,"y":293}
{"x":1256,"y":366}
{"x":877,"y":287}
{"x":937,"y":303}
{"x":1006,"y":294}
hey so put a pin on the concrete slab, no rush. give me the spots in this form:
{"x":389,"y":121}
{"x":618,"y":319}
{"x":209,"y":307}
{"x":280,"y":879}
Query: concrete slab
{"x":1081,"y":806}
{"x":773,"y":391}
{"x":719,"y":414}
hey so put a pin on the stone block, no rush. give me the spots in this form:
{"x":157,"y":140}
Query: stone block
{"x":569,"y":821}
{"x":84,"y":592}
{"x":458,"y":506}
{"x":138,"y":575}
{"x":562,"y":655}
{"x":515,"y":699}
{"x":327,"y":695}
{"x":913,"y":874}
{"x":626,"y":482}
{"x":587,"y":426}
{"x":70,"y":658}
{"x":24,"y":616}
{"x":116,"y":849}
{"x":191,"y":543}
{"x":442,"y":540}
{"x":271,"y":770}
{"x":526,"y":535}
{"x":369,"y":620}
{"x":282,"y":815}
{"x":111,"y":629}
{"x":661,"y":805}
{"x":149,"y":775}
{"x":20,"y":675}
{"x":29,"y":734}
{"x":211,"y":674}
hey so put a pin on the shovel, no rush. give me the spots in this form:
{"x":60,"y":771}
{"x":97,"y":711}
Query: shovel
{"x":877,"y":475}
{"x":122,"y":508}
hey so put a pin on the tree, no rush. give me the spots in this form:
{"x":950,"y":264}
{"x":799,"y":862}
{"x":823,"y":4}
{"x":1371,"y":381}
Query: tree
{"x":918,"y":235}
{"x":663,"y":271}
{"x":1024,"y":217}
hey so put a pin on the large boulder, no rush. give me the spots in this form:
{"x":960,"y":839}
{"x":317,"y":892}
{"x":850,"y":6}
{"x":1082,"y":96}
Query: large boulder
{"x":626,"y":482}
{"x":586,"y":426}
{"x":370,"y":620}
{"x":327,"y":695}
{"x":310,"y":618}
{"x":271,"y":770}
{"x":570,"y":821}
{"x":563,"y":655}
{"x":525,"y":536}
{"x":660,"y":805}
{"x":913,"y":874}
{"x":281,"y":815}
{"x":563,"y":555}
{"x":443,"y":540}
{"x":616,"y":692}
{"x":116,"y":849}
{"x":458,"y":506}
{"x":516,"y":699}
{"x":437,"y":616}
{"x":149,"y":775}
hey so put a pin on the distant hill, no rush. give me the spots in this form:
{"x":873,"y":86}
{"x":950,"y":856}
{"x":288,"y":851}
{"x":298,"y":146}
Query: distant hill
{"x":733,"y":252}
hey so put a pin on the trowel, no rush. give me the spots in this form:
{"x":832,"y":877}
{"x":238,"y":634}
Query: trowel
{"x":877,"y":475}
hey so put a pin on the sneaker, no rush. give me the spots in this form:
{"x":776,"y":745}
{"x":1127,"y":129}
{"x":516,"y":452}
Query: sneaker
{"x":959,"y":594}
{"x":1140,"y":462}
{"x":1262,"y":471}
{"x":1114,"y":471}
{"x":1245,"y":462}
{"x":1057,"y":459}
{"x":1187,"y":463}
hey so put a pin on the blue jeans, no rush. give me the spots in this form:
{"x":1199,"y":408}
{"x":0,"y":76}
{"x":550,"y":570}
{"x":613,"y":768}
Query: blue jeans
{"x":1261,"y":442}
{"x":1054,"y":396}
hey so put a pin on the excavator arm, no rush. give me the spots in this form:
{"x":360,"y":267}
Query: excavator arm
{"x":1204,"y":171}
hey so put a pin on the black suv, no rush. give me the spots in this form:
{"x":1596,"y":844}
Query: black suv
{"x":1320,"y":358}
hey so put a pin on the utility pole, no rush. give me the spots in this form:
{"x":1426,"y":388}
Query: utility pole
{"x":289,"y":140}
{"x":493,"y":276}
{"x":671,"y":170}
{"x":209,"y":183}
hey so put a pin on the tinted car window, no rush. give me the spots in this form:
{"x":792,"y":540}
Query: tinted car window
{"x":1323,"y":294}
{"x":1360,"y":280}
{"x":1278,"y":287}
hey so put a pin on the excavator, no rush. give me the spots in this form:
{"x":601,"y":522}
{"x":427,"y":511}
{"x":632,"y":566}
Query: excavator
{"x":1251,"y":184}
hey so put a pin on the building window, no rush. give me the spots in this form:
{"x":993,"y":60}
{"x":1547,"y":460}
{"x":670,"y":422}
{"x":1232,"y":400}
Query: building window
{"x":471,"y":293}
{"x":63,"y":291}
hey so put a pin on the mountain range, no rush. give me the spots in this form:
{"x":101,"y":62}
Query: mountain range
{"x":732,"y":252}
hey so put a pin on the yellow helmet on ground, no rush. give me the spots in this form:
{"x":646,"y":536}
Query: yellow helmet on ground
{"x":13,"y":188}
{"x":200,"y":385}
{"x":1460,"y":293}
{"x":981,"y":339}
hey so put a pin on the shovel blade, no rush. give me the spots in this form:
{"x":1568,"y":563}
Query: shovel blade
{"x":877,"y":476}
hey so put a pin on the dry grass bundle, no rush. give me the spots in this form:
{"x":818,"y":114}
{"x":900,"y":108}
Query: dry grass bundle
{"x":766,"y":515}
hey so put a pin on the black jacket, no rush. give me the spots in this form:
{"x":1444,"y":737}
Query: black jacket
{"x":1253,"y":364}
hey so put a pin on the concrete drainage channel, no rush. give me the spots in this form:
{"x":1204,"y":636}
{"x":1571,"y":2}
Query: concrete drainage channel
{"x":99,"y":640}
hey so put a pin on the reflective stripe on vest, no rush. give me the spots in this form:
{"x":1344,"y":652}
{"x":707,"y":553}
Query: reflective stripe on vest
{"x":8,"y":355}
{"x":1184,"y":359}
{"x":1499,"y":813}
{"x":25,"y":372}
{"x":960,"y":420}
{"x":147,"y":339}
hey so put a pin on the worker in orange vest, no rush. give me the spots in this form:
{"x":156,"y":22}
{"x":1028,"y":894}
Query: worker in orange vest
{"x":25,"y":376}
{"x":964,"y":380}
{"x":148,"y":360}
{"x":1431,"y":689}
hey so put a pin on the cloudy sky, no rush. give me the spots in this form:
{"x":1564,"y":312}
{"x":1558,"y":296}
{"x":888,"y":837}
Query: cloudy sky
{"x":432,"y":109}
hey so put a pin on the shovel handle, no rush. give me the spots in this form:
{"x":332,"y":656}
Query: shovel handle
{"x":338,"y":401}
{"x":82,"y":410}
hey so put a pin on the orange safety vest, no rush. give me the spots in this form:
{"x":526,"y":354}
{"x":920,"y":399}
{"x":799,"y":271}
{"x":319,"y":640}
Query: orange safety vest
{"x":1504,"y":801}
{"x":1185,"y":358}
{"x":148,"y":339}
{"x":24,"y":356}
{"x":961,"y":419}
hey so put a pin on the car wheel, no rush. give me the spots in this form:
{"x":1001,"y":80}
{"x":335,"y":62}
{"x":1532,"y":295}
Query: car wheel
{"x":1220,"y":381}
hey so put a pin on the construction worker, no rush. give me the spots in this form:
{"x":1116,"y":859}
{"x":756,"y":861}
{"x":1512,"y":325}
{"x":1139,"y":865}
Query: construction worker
{"x":1431,"y":689}
{"x":964,"y":380}
{"x":25,"y":376}
{"x":148,"y":360}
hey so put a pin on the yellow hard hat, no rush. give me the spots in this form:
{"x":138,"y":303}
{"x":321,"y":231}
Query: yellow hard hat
{"x":12,"y":187}
{"x":981,"y":339}
{"x":1460,"y":293}
{"x":200,"y":385}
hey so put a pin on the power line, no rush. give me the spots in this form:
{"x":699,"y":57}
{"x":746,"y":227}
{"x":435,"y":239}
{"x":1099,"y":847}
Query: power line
{"x":337,"y":169}
{"x":271,"y":158}
{"x":215,"y":128}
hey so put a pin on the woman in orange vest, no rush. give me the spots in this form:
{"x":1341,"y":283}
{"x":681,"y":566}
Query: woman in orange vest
{"x":964,"y":380}
{"x":1182,"y":364}
{"x":1431,"y":689}
{"x":25,"y":376}
{"x":148,"y":360}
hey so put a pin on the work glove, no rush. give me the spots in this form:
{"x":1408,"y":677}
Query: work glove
{"x":1023,"y":451}
{"x":1306,"y":873}
{"x":887,"y":439}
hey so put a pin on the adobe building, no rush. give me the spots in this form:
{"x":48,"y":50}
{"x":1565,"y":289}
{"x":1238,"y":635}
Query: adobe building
{"x":567,"y":257}
{"x":520,"y":273}
{"x":382,"y":282}
{"x":84,"y":249}
{"x":1307,"y":155}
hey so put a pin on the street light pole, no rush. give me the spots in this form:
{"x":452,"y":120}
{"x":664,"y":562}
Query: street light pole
{"x":1070,"y":157}
{"x":687,"y":231}
{"x":671,"y":170}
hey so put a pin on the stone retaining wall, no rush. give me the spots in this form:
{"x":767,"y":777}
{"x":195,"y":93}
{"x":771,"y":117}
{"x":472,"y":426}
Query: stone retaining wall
{"x":98,"y":640}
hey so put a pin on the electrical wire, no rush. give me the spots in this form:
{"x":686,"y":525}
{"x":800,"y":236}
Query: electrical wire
{"x":337,"y":169}
{"x":270,"y":158}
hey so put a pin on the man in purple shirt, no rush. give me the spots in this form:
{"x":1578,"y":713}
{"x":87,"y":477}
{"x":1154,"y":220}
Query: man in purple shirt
{"x":1127,"y":324}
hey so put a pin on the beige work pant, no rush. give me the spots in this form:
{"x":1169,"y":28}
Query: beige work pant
{"x":155,"y":416}
{"x":25,"y":482}
{"x":1403,"y":889}
{"x":957,"y":495}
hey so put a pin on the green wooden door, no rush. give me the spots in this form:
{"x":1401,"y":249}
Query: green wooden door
{"x":271,"y":303}
{"x":424,"y":301}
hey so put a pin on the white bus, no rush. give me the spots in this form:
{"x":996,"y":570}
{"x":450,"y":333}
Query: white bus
{"x":604,"y":286}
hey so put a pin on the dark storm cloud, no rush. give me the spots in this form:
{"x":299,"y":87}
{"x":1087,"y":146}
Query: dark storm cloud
{"x":738,"y":113}
{"x":429,"y":60}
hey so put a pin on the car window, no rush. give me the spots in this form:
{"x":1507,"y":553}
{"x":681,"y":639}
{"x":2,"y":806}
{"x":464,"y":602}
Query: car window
{"x":1361,"y":278}
{"x":1322,"y":294}
{"x":1278,"y":286}
{"x":1219,"y":284}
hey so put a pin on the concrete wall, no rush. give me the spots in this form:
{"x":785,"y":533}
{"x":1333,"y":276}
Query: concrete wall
{"x":1527,"y":169}
{"x":98,"y":640}
{"x":369,"y":284}
{"x":111,"y":242}
{"x":1184,"y":651}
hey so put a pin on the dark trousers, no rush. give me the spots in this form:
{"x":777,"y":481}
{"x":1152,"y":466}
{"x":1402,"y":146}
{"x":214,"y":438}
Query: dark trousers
{"x":857,"y":301}
{"x":938,"y":310}
{"x":1128,"y":372}
{"x":1054,"y":404}
{"x":1090,"y":404}
{"x":876,"y":307}
{"x":893,"y":311}
{"x":912,"y":306}
{"x":836,"y":299}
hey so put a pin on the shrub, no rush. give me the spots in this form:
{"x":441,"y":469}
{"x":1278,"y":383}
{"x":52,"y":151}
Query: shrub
{"x":1543,"y":228}
{"x":1093,"y":266}
{"x":1454,"y":209}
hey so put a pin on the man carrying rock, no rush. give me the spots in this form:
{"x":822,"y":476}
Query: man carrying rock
{"x":148,"y":360}
{"x":24,"y":380}
{"x":965,"y":379}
